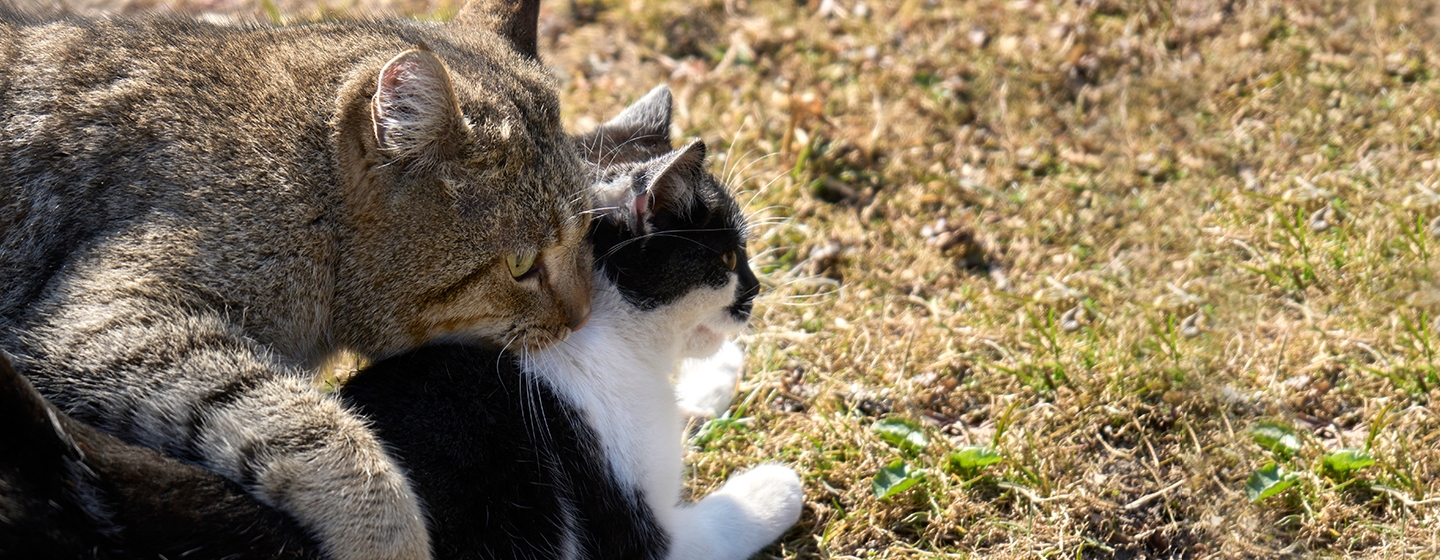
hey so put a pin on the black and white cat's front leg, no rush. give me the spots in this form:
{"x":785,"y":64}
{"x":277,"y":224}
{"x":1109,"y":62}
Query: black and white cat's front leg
{"x":753,"y":508}
{"x":748,"y":512}
{"x":705,"y":387}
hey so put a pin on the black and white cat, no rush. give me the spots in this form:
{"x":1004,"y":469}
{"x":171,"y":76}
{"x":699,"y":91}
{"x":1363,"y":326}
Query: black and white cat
{"x":575,"y":451}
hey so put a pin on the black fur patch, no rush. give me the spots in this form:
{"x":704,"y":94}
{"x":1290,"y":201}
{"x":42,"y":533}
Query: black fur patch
{"x":497,"y":457}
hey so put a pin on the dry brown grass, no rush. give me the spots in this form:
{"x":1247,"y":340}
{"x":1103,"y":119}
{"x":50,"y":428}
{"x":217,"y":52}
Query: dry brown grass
{"x":1239,"y":197}
{"x":1143,"y":162}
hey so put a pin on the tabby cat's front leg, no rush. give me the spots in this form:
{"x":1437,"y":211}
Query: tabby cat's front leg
{"x":191,"y":384}
{"x":306,"y":454}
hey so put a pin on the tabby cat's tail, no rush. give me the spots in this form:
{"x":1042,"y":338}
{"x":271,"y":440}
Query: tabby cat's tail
{"x":70,"y":491}
{"x":39,"y":517}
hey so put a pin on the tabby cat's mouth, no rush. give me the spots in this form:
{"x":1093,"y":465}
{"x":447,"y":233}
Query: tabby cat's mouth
{"x":539,"y":339}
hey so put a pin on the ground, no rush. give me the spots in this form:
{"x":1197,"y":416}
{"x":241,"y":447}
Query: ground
{"x":1110,"y":261}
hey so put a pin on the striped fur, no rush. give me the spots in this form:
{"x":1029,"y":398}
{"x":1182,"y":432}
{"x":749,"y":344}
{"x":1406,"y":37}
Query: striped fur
{"x":194,"y":216}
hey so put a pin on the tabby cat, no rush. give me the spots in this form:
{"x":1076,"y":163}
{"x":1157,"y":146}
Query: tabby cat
{"x":574,"y":451}
{"x":193,"y":217}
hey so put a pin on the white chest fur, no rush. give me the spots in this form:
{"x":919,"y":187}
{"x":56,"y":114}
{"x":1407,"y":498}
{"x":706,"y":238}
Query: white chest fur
{"x":616,"y":371}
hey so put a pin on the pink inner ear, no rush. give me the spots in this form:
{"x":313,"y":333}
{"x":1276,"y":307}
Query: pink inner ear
{"x":641,"y":204}
{"x":391,"y":80}
{"x":394,"y":77}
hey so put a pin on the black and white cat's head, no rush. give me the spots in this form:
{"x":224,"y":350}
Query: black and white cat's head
{"x":668,"y":234}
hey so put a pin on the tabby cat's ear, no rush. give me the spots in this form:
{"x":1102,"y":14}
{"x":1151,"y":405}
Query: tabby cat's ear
{"x":517,"y":21}
{"x":647,"y":118}
{"x":415,"y":110}
{"x":640,"y":132}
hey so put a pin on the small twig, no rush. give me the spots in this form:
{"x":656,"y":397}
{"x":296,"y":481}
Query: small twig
{"x":929,"y":304}
{"x":1199,"y":451}
{"x":1144,"y":535}
{"x":1405,"y":499}
{"x":1137,"y":504}
{"x":1246,"y":246}
{"x":1222,"y":486}
{"x":1224,"y":415}
{"x":1373,"y":352}
{"x":1031,"y":495}
{"x":1112,"y":450}
{"x":1155,"y":471}
{"x":999,"y":348}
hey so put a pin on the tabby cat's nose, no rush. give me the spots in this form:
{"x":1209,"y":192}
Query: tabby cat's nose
{"x":578,"y":317}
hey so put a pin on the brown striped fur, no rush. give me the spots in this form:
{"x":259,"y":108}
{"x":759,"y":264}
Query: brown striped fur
{"x":194,"y":216}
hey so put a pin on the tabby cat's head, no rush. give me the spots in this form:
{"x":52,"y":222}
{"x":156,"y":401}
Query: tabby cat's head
{"x":669,"y":234}
{"x":466,"y":203}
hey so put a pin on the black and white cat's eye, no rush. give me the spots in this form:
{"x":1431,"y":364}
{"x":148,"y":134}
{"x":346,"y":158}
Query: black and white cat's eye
{"x":731,"y":259}
{"x":520,"y":264}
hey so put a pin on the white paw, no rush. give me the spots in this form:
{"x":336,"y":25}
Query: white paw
{"x":705,"y":386}
{"x":749,"y":512}
{"x":770,"y":495}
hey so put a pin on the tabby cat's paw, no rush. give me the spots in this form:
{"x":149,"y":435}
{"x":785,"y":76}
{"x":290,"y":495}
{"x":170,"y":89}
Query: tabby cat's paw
{"x":704,"y":387}
{"x":310,"y":457}
{"x":358,"y":509}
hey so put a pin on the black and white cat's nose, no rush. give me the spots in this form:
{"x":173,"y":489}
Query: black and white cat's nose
{"x":746,"y":290}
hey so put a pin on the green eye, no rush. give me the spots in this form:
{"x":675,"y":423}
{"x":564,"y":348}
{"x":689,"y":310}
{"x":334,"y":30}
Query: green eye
{"x":730,"y":259}
{"x":520,"y":264}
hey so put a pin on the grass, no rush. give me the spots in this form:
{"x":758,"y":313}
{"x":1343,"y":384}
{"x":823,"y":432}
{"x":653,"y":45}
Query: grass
{"x":1145,"y":254}
{"x":1108,"y":242}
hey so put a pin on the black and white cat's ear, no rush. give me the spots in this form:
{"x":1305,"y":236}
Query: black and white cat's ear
{"x":624,"y":201}
{"x":517,"y":21}
{"x":675,"y":187}
{"x":640,"y":132}
{"x":415,"y":110}
{"x":668,"y":184}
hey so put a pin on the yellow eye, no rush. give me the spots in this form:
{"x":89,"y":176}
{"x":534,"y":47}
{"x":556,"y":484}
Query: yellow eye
{"x":730,"y":259}
{"x":520,"y":264}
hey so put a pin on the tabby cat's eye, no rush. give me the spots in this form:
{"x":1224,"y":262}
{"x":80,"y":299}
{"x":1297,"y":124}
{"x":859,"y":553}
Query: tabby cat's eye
{"x":520,"y":264}
{"x":730,"y":259}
